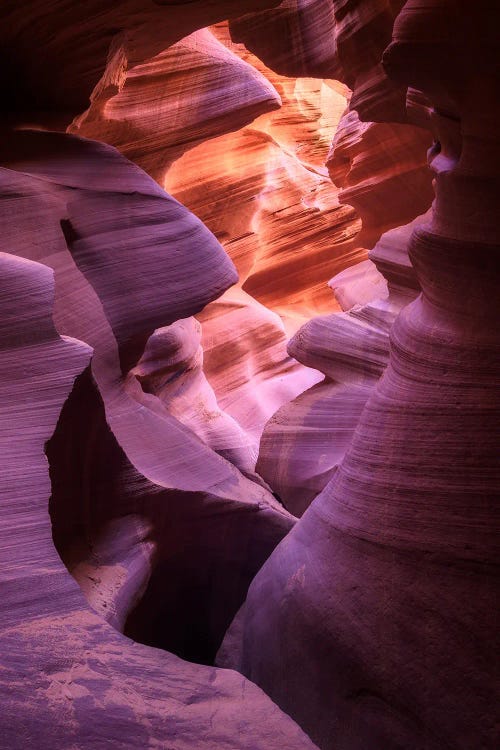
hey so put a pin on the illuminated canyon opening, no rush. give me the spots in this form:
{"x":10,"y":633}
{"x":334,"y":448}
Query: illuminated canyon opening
{"x":265,"y":193}
{"x":249,"y":375}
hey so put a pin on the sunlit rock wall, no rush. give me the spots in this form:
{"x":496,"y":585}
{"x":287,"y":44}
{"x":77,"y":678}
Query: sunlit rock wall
{"x":266,"y":194}
{"x":96,"y":258}
{"x":380,"y":599}
{"x":137,"y":503}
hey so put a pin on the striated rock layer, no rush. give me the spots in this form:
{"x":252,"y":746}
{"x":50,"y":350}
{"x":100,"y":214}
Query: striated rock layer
{"x":265,"y":193}
{"x":305,"y":441}
{"x":247,"y":364}
{"x":194,"y":90}
{"x":372,"y":621}
{"x":149,"y":502}
{"x":68,"y":679}
{"x":380,"y":599}
{"x":263,"y":189}
{"x":381,"y":170}
{"x":64,"y":55}
{"x":342,"y":40}
{"x":127,"y":217}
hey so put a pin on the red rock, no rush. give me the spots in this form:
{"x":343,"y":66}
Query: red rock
{"x":107,"y":516}
{"x":62,"y":54}
{"x":296,"y":39}
{"x":343,"y":40}
{"x":382,"y":170}
{"x":379,"y":600}
{"x":67,"y":677}
{"x":265,"y":193}
{"x":371,"y":623}
{"x":171,"y":368}
{"x":192,"y":91}
{"x":247,"y":363}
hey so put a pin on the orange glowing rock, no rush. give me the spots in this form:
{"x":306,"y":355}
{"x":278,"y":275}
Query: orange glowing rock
{"x":192,"y":91}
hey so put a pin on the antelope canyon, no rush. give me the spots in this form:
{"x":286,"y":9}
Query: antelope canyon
{"x":249,"y":375}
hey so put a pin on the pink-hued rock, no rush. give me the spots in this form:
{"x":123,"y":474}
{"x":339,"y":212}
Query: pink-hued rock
{"x":382,"y":171}
{"x":247,"y":363}
{"x":350,"y":347}
{"x":343,"y":40}
{"x":265,"y":193}
{"x":192,"y":91}
{"x":271,"y":199}
{"x":297,"y":39}
{"x":380,"y":599}
{"x":171,"y":368}
{"x":390,"y":256}
{"x":68,"y":679}
{"x":304,"y":442}
{"x":380,"y":166}
{"x":124,"y":239}
{"x":37,"y":370}
{"x":372,"y":622}
{"x":358,"y":285}
{"x":146,"y":474}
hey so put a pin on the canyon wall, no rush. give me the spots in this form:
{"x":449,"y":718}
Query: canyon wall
{"x":381,"y":599}
{"x":141,"y":492}
{"x":262,"y":421}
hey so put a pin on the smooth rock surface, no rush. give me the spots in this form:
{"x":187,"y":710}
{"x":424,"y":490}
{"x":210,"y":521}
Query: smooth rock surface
{"x":192,"y":91}
{"x":130,"y":435}
{"x":380,"y":599}
{"x":68,"y":679}
{"x":145,"y":449}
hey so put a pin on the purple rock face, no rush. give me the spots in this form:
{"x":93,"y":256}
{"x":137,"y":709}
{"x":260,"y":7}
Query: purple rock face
{"x":372,"y":600}
{"x":319,"y":520}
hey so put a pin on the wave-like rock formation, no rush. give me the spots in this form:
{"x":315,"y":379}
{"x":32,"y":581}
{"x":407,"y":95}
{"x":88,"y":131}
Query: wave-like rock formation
{"x":342,"y":40}
{"x":171,"y":368}
{"x":305,"y":441}
{"x":62,"y":56}
{"x":380,"y":599}
{"x":263,"y":190}
{"x":297,"y":39}
{"x":266,"y":194}
{"x":380,"y":160}
{"x":149,"y":499}
{"x":177,"y":480}
{"x":194,"y":90}
{"x":107,"y":227}
{"x":68,"y":679}
{"x":247,"y":363}
{"x":382,"y":170}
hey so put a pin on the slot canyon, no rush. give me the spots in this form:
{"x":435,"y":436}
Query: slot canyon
{"x":250,"y":375}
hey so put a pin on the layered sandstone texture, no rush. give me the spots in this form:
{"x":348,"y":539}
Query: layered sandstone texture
{"x":137,"y":500}
{"x":263,"y":189}
{"x":380,"y":599}
{"x":265,"y":192}
{"x":261,"y":422}
{"x":68,"y":678}
{"x":304,"y":442}
{"x":149,"y":495}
